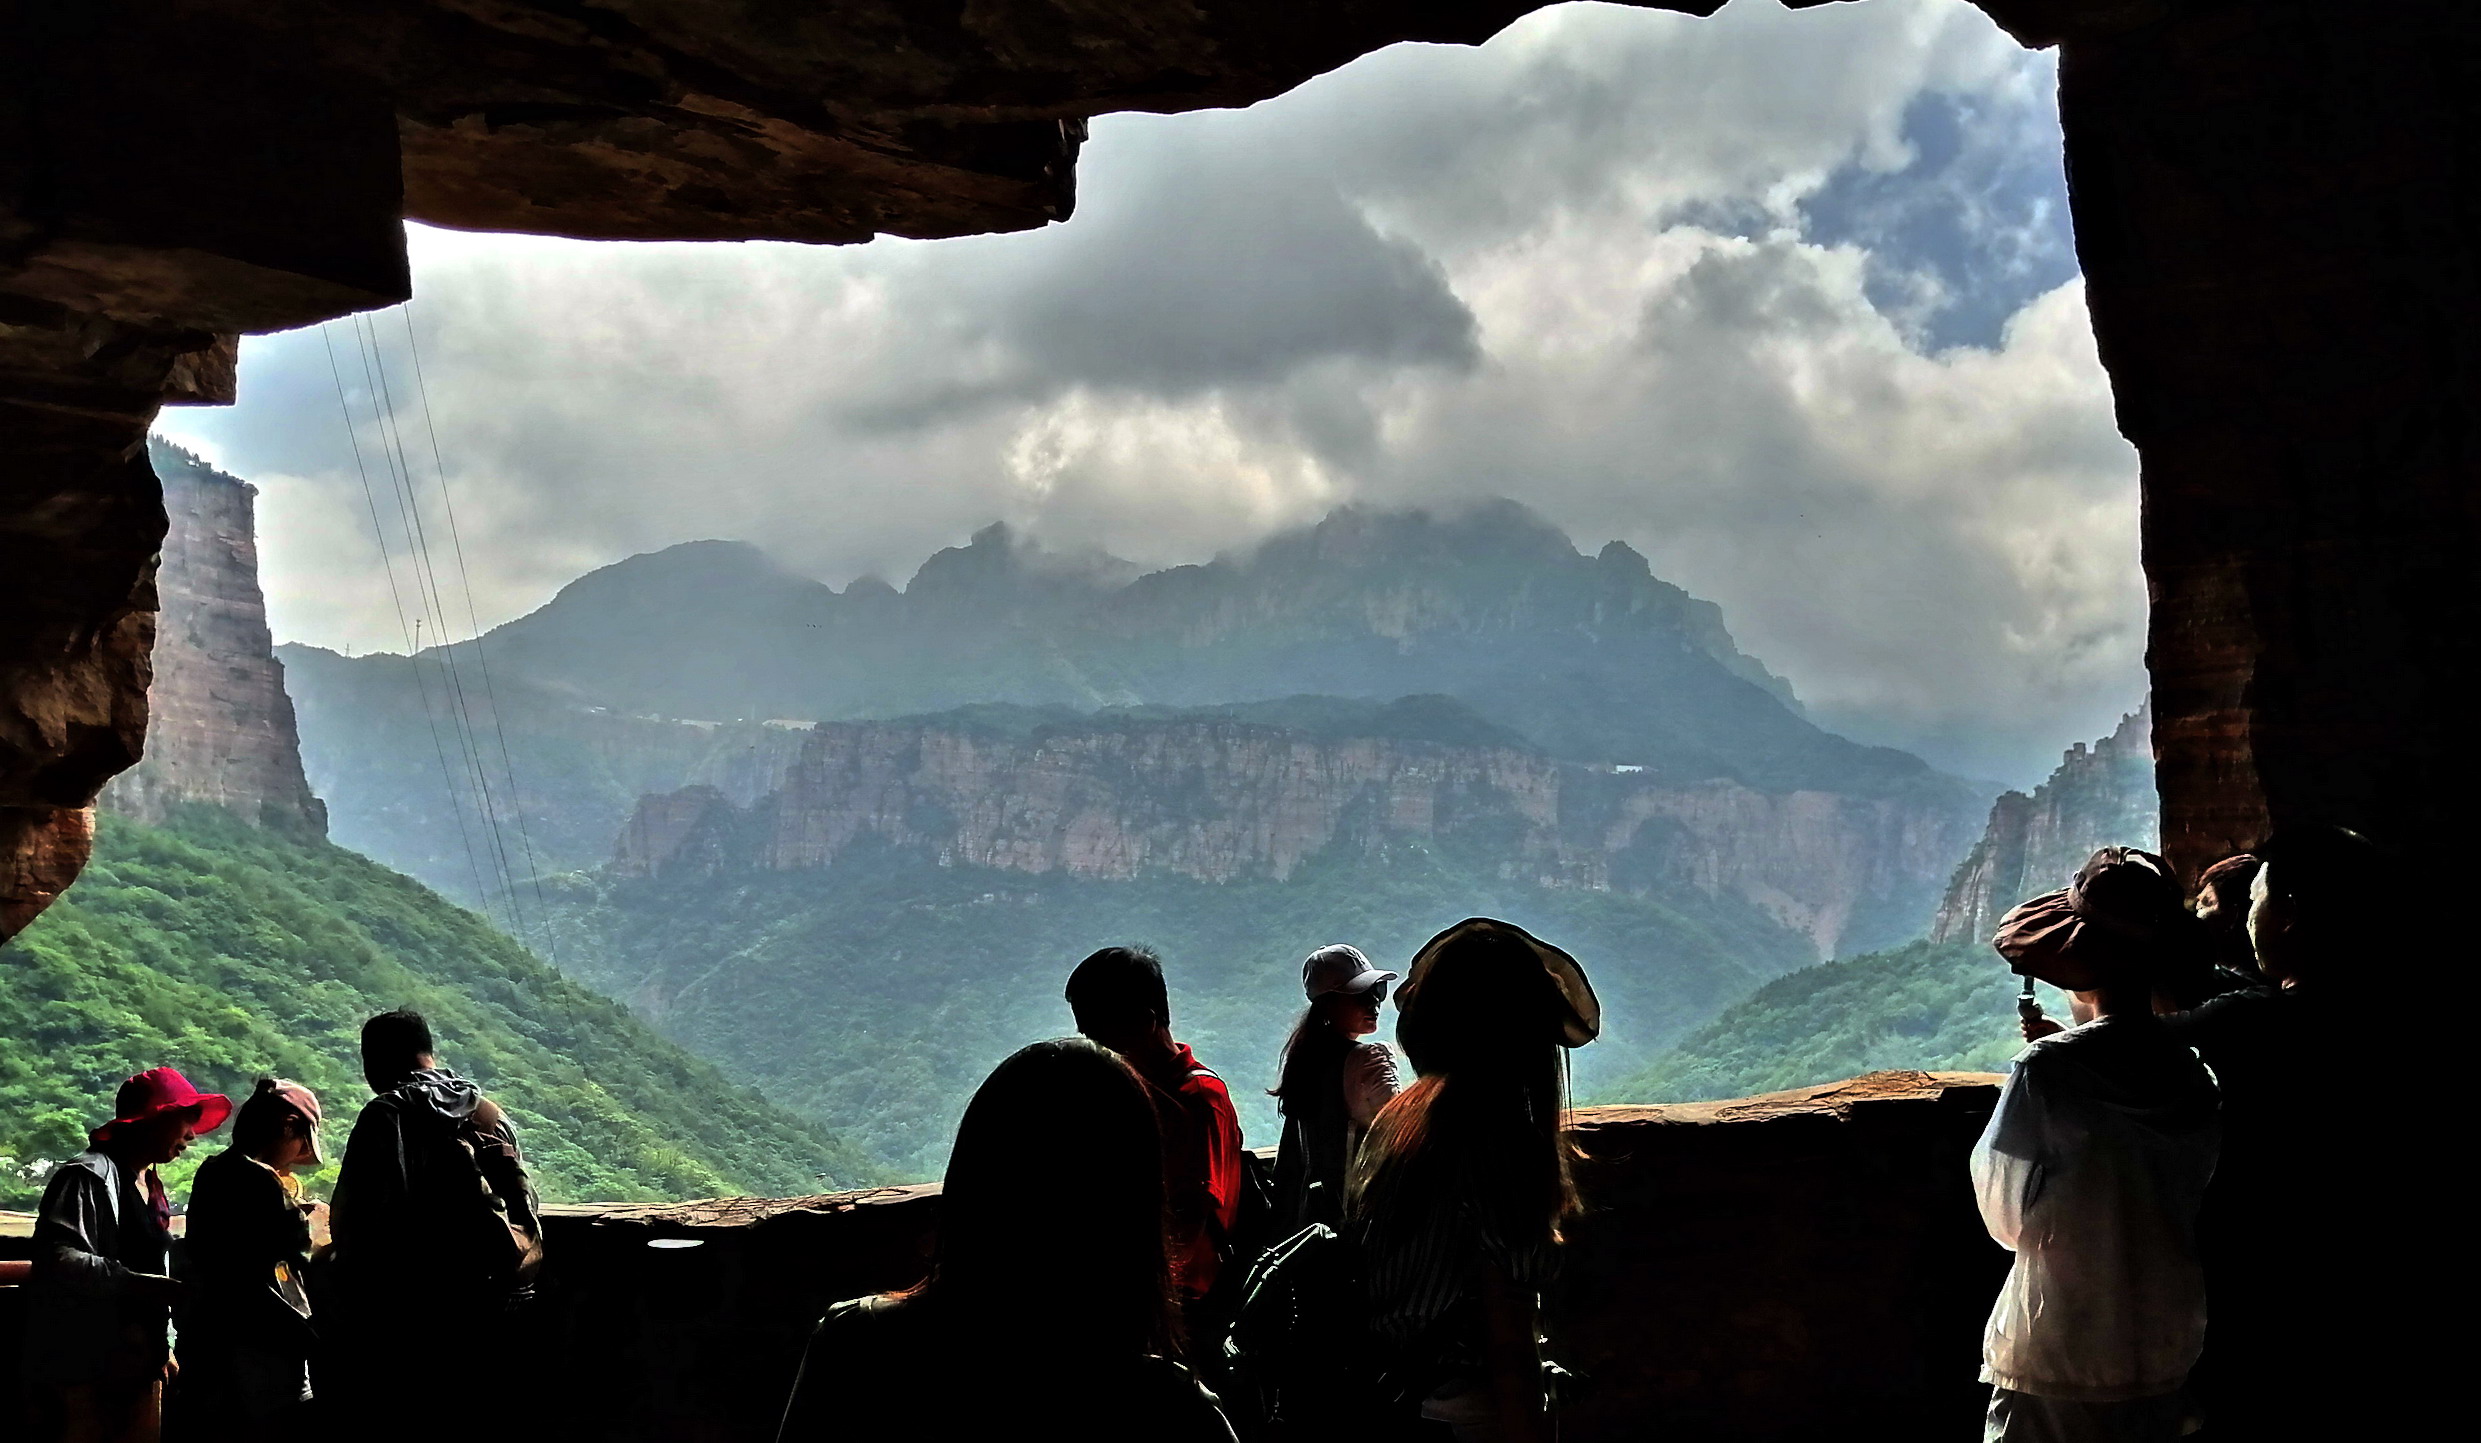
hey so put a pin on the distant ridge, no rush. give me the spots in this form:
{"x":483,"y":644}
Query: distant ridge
{"x":1592,"y":657}
{"x":1271,"y":790}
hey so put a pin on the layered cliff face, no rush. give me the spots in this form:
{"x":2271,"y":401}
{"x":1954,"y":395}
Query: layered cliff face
{"x":1217,"y":799}
{"x":1587,"y":656}
{"x":220,"y":726}
{"x":2100,"y":796}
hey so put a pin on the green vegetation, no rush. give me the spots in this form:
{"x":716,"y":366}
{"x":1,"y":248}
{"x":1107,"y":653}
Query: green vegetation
{"x":229,"y":951}
{"x":1929,"y":1005}
{"x":874,"y":995}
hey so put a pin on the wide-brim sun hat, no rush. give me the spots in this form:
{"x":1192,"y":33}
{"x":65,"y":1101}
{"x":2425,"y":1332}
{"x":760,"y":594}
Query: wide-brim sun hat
{"x":2121,"y":911}
{"x":1341,"y":967}
{"x":1580,"y":1012}
{"x":159,"y":1090}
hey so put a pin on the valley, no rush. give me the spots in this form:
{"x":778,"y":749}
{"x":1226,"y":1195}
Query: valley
{"x":725,"y":805}
{"x":846,"y":843}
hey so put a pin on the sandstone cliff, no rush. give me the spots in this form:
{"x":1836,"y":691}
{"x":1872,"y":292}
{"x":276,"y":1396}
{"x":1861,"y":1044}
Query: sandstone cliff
{"x":1219,"y":799}
{"x":2100,"y":796}
{"x":220,"y":726}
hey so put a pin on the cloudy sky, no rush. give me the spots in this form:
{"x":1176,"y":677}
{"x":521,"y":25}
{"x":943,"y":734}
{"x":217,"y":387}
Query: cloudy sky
{"x":1786,"y":301}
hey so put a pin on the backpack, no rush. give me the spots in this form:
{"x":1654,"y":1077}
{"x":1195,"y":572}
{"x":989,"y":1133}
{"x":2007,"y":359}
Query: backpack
{"x":1295,"y":1360}
{"x":455,"y":1228}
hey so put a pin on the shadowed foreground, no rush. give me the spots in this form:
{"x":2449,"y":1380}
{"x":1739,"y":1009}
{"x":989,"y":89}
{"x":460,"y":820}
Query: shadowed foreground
{"x":1800,"y":1265}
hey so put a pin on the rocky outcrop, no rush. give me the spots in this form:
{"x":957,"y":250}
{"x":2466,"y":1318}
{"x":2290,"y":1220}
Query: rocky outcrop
{"x":1215,"y":799}
{"x":219,"y":727}
{"x":2099,"y":796}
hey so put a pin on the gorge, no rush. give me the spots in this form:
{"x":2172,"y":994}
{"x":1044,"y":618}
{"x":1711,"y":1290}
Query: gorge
{"x":845,"y":842}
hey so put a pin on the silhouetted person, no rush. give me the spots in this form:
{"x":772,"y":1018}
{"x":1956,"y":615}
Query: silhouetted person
{"x":245,"y":1323}
{"x":2289,"y":1214}
{"x":1120,"y":1001}
{"x":1333,"y":1085}
{"x":437,"y":1234}
{"x":2092,"y":1170}
{"x":1048,"y":1309}
{"x":99,"y":1304}
{"x":1462,"y":1185}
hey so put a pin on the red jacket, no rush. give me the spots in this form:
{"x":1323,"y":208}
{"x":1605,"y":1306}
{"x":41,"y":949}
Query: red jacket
{"x":1201,"y":1165}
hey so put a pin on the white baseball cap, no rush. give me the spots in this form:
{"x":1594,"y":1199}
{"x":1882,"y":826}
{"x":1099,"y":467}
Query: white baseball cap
{"x":1340,"y":968}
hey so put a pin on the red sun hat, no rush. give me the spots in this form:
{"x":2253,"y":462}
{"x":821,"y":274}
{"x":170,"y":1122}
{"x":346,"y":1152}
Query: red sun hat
{"x":159,"y":1090}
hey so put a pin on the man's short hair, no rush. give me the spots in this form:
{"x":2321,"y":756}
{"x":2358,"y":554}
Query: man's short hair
{"x":392,"y":1040}
{"x":1115,"y":983}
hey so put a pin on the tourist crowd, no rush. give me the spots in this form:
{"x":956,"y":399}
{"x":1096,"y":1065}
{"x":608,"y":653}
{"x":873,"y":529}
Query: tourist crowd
{"x":1382,"y":1281}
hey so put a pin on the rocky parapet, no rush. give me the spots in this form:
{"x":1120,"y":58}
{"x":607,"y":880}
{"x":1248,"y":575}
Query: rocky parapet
{"x":2100,"y":796}
{"x":220,"y":727}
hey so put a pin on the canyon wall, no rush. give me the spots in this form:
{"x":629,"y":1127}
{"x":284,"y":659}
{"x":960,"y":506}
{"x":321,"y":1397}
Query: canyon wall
{"x":1220,"y":800}
{"x":220,"y":726}
{"x":2099,"y":796}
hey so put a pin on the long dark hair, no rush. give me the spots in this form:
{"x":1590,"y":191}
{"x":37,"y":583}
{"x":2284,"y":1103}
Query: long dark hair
{"x":1486,"y":1117}
{"x":1313,"y":1057}
{"x":1051,"y":1220}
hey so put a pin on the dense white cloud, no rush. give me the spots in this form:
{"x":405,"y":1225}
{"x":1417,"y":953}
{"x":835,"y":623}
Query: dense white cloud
{"x":1783,"y":299}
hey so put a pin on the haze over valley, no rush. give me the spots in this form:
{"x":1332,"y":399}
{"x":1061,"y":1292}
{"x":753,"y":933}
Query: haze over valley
{"x":846,"y":843}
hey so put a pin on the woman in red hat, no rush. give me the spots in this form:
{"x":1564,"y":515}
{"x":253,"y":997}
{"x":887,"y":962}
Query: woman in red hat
{"x":99,"y":1310}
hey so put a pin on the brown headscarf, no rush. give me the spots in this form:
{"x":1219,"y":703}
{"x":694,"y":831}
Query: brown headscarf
{"x":2112,"y":924}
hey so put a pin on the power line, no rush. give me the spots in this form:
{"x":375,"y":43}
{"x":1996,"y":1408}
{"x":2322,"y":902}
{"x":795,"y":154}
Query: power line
{"x":379,"y":533}
{"x":482,"y":662}
{"x":427,"y":580}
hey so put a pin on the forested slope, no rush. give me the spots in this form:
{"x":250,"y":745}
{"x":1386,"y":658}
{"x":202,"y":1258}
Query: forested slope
{"x":874,"y":995}
{"x":228,"y":951}
{"x":1928,"y":1005}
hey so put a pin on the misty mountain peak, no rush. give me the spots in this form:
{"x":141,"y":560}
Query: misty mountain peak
{"x":999,"y":556}
{"x":1495,"y":530}
{"x":1620,"y":557}
{"x":691,"y":562}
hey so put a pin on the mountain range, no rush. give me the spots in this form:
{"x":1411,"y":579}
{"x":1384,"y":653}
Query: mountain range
{"x":699,"y":663}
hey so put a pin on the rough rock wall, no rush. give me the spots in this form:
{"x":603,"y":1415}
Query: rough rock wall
{"x":2277,"y":208}
{"x":219,"y":724}
{"x":1803,"y":1265}
{"x":1220,"y":800}
{"x":2099,"y":796}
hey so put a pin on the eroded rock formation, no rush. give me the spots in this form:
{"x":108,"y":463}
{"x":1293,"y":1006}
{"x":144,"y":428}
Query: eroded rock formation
{"x":2099,"y":796}
{"x":1219,"y":800}
{"x":219,"y":726}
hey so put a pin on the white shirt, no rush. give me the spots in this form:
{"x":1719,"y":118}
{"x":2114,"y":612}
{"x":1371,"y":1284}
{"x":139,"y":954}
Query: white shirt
{"x":2091,"y":1171}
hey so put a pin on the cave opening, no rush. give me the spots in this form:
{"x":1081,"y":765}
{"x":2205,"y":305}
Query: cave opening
{"x":2283,"y":296}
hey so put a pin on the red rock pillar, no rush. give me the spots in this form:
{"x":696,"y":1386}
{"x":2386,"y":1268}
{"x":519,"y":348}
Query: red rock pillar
{"x":2275,"y":209}
{"x":167,"y":181}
